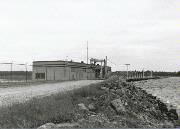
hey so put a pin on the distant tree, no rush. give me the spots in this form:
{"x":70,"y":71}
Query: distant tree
{"x":178,"y":73}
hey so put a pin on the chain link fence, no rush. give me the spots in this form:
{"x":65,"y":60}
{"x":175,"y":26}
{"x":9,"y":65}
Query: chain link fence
{"x":14,"y":72}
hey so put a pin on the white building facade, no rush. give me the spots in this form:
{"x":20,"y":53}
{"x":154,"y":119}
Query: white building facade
{"x":62,"y":71}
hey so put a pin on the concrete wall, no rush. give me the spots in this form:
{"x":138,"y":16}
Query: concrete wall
{"x":58,"y":73}
{"x":63,"y":73}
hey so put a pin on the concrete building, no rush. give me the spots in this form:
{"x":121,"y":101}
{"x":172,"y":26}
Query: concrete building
{"x":67,"y":70}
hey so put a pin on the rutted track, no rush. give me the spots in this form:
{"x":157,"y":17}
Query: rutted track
{"x":13,"y":95}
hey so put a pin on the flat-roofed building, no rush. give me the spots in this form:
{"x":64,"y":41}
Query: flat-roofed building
{"x":63,"y":70}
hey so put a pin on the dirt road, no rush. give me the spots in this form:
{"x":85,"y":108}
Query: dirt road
{"x":13,"y":95}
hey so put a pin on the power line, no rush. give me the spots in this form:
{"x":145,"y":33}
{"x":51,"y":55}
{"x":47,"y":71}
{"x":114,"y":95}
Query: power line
{"x":112,"y":62}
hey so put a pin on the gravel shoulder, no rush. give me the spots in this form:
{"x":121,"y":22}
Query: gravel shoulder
{"x":11,"y":95}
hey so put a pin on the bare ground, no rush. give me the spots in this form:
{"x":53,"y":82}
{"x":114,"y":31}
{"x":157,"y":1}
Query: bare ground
{"x":11,"y":95}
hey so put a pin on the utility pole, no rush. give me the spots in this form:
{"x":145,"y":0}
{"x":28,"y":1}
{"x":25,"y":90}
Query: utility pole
{"x":11,"y":69}
{"x":101,"y":71}
{"x":105,"y":67}
{"x":46,"y":73}
{"x":26,"y":71}
{"x":66,"y":62}
{"x":143,"y":73}
{"x":151,"y":73}
{"x":87,"y":60}
{"x":127,"y":70}
{"x":87,"y":53}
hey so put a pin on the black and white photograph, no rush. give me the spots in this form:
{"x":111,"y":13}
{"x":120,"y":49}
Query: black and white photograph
{"x":89,"y":64}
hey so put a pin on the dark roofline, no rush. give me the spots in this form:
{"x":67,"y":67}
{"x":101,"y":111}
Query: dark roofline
{"x":51,"y":61}
{"x":59,"y":61}
{"x":63,"y":62}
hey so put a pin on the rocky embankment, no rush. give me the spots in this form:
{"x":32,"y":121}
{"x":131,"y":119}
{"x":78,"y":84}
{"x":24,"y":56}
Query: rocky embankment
{"x":120,"y":104}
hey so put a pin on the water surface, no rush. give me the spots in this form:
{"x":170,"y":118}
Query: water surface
{"x":167,"y":89}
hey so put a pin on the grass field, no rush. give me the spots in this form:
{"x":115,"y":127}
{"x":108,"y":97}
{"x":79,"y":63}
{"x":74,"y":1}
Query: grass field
{"x":55,"y":108}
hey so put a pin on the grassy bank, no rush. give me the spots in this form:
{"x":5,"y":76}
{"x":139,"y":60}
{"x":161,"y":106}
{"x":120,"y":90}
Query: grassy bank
{"x":55,"y":108}
{"x":142,"y":110}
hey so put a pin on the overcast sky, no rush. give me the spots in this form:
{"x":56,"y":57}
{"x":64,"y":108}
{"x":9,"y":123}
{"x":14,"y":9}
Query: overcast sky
{"x":144,"y":33}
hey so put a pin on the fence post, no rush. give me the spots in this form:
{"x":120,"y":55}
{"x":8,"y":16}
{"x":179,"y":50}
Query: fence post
{"x":26,"y":72}
{"x":11,"y":70}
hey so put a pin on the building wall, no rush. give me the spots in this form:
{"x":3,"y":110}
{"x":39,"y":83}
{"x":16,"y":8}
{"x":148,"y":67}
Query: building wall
{"x":66,"y":70}
{"x":63,"y":73}
{"x":38,"y":70}
{"x":58,"y":73}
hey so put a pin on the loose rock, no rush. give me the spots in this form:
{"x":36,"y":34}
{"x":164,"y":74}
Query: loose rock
{"x":103,"y":88}
{"x":82,"y":107}
{"x":61,"y":125}
{"x":173,"y":114}
{"x":118,"y":105}
{"x":67,"y":125}
{"x":91,"y":107}
{"x":47,"y":126}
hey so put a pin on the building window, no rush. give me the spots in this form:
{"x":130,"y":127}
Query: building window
{"x":40,"y":76}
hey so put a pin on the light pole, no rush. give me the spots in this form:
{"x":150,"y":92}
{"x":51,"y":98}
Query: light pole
{"x":26,"y":71}
{"x":151,"y":73}
{"x":66,"y":62}
{"x":127,"y":65}
{"x":87,"y":53}
{"x":11,"y":69}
